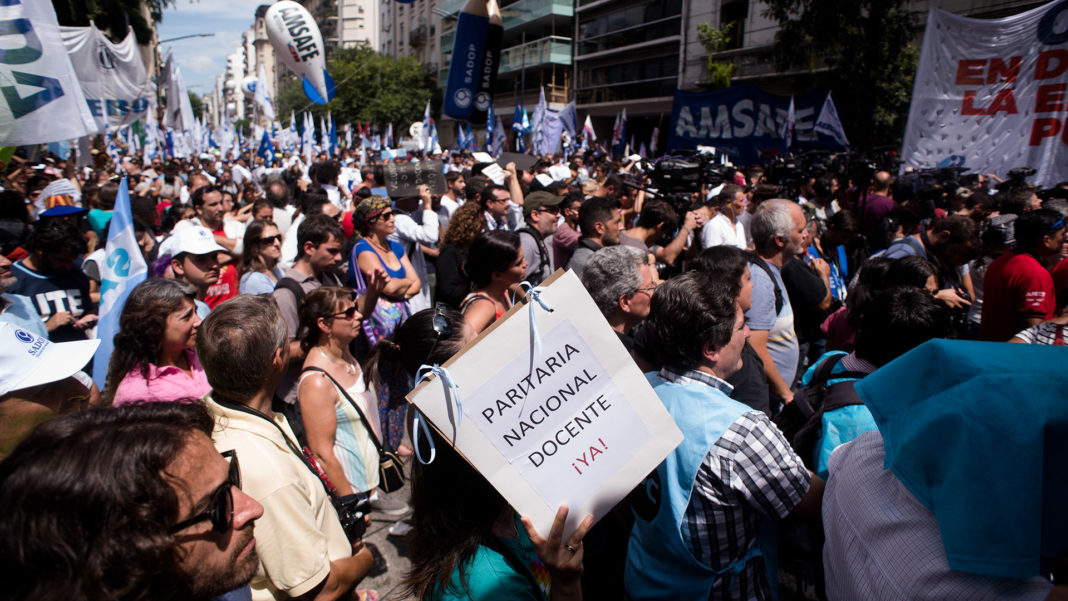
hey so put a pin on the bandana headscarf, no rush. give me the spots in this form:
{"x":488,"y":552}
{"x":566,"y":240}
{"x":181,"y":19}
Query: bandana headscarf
{"x":371,"y":207}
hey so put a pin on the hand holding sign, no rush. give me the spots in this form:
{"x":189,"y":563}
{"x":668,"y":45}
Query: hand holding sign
{"x":574,"y":423}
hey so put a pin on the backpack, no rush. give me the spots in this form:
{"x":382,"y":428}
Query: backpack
{"x":801,"y":420}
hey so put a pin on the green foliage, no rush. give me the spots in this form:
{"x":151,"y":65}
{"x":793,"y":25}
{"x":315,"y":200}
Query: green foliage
{"x":111,"y":16}
{"x":198,"y":105}
{"x":716,"y":40}
{"x":860,"y":49}
{"x":370,"y":87}
{"x":243,"y":126}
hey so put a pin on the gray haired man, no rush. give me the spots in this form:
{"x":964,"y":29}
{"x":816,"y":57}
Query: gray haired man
{"x":620,"y":280}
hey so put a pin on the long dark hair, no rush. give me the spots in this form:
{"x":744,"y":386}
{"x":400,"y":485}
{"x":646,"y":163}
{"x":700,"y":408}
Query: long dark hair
{"x":491,"y":252}
{"x":321,"y":303}
{"x":447,"y":528}
{"x":86,"y":503}
{"x":250,"y":257}
{"x":141,"y":327}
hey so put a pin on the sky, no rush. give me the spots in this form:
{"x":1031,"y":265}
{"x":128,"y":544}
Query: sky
{"x":201,"y":59}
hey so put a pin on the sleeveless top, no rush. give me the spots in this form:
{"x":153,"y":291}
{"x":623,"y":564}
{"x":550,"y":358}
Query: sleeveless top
{"x":363,"y":246}
{"x":353,"y":447}
{"x":474,"y":296}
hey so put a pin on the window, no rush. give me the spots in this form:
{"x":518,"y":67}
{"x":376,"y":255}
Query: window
{"x":733,"y":14}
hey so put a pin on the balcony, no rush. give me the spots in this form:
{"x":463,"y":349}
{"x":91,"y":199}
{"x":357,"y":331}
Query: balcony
{"x":552,"y":49}
{"x":527,"y":11}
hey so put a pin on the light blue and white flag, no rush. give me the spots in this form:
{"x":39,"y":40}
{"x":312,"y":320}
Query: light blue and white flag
{"x":123,"y":268}
{"x":829,"y":124}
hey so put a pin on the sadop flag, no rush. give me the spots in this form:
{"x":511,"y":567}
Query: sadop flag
{"x":123,"y":268}
{"x":829,"y":124}
{"x":498,"y":138}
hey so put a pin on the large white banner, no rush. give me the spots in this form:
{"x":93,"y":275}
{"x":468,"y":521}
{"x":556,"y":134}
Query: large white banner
{"x":40,"y":98}
{"x":992,"y":95}
{"x":113,"y":76}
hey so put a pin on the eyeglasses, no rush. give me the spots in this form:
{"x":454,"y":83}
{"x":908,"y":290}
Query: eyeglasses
{"x":348,"y":314}
{"x":270,"y":239}
{"x":648,"y":290}
{"x":441,"y":327}
{"x":220,"y":510}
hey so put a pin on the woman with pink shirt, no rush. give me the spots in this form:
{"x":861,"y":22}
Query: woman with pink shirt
{"x":154,"y":358}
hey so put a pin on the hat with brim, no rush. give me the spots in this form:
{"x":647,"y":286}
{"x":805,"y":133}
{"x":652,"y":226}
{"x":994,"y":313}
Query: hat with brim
{"x":27,"y":360}
{"x":192,"y":239}
{"x":537,"y":200}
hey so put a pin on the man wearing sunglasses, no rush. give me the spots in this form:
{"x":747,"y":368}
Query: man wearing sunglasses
{"x":131,"y":502}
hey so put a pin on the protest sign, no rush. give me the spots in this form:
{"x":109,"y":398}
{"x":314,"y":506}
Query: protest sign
{"x":42,"y":101}
{"x":404,"y":179}
{"x":746,"y":123}
{"x":990,"y":96}
{"x":523,"y":162}
{"x":112,"y":76}
{"x":575,"y":423}
{"x":560,"y":172}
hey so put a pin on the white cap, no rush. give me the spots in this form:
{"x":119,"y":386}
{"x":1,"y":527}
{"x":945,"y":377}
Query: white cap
{"x":192,"y":239}
{"x":27,"y":360}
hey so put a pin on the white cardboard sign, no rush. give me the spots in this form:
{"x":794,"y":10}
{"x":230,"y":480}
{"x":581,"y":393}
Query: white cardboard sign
{"x":582,"y":428}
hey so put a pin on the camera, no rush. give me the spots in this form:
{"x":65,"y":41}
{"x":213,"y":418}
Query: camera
{"x":352,"y":510}
{"x":677,"y":176}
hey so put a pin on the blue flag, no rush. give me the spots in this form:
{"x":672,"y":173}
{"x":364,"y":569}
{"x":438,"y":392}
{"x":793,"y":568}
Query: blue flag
{"x":266,"y":150}
{"x":123,"y":268}
{"x":489,"y":128}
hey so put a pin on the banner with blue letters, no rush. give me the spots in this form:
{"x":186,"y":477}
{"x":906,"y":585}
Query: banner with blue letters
{"x":41,"y":100}
{"x":113,"y":76}
{"x":746,"y":123}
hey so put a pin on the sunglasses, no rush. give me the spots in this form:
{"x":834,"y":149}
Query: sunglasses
{"x":270,"y":239}
{"x":220,"y":510}
{"x":384,"y":216}
{"x":348,"y":314}
{"x":441,"y":327}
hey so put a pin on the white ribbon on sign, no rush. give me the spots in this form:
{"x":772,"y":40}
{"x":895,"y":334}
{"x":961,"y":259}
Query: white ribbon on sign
{"x":41,"y":100}
{"x":112,"y":76}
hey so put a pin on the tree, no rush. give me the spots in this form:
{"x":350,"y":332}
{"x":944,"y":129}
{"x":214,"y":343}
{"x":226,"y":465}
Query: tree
{"x":198,"y":105}
{"x":716,"y":40}
{"x":112,"y":16}
{"x":866,"y":46}
{"x":370,"y":87}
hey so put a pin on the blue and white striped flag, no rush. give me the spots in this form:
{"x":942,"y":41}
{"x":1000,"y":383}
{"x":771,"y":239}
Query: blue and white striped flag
{"x":122,"y":268}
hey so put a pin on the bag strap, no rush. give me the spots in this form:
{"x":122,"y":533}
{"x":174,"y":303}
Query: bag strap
{"x":293,"y":286}
{"x":779,"y":302}
{"x":289,"y":443}
{"x":366,"y":424}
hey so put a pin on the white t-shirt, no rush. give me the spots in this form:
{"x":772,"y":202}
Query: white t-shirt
{"x":720,"y":231}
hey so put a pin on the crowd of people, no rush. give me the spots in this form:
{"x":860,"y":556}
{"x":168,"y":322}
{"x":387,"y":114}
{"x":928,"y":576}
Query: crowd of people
{"x":289,"y":307}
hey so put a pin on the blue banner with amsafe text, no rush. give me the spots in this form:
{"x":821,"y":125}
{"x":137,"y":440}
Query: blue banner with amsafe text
{"x":746,"y":123}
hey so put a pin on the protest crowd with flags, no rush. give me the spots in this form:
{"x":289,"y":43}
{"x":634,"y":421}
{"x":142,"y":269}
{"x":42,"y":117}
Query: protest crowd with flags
{"x":798,"y":306}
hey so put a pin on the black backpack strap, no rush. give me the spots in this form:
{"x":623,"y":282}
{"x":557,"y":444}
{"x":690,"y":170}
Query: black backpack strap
{"x":842,"y":394}
{"x":779,"y":302}
{"x":543,"y":252}
{"x":288,"y":283}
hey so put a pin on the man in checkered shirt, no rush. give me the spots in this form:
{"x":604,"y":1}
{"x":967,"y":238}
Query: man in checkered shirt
{"x":699,"y":515}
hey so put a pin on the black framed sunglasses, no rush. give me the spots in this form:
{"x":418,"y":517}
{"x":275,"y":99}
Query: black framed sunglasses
{"x":441,"y":327}
{"x":270,"y":239}
{"x":348,"y":314}
{"x":220,"y":510}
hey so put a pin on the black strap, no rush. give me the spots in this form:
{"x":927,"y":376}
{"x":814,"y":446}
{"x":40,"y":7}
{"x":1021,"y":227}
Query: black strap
{"x":289,"y":443}
{"x":366,"y":424}
{"x":543,"y":252}
{"x":779,"y":302}
{"x":293,"y":286}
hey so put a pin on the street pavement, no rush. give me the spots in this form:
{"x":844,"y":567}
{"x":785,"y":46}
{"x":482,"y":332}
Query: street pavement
{"x":390,"y":552}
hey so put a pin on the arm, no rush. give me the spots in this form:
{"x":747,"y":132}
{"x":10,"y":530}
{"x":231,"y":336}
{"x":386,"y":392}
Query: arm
{"x":823,"y":268}
{"x":514,"y":188}
{"x":368,"y":263}
{"x":414,"y":283}
{"x":343,"y":577}
{"x":758,"y":339}
{"x":669,"y":253}
{"x":317,"y":396}
{"x":227,"y":243}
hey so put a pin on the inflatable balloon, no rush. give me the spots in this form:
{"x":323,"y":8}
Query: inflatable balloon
{"x":297,"y":40}
{"x":248,"y":86}
{"x":491,"y":62}
{"x":465,"y":68}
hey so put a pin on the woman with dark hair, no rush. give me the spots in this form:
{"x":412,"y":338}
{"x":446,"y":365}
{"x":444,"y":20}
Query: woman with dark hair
{"x":374,"y":220}
{"x":495,"y":265}
{"x":468,"y":543}
{"x":912,"y":272}
{"x":329,"y":385}
{"x":464,"y":226}
{"x":259,"y":261}
{"x":154,"y":358}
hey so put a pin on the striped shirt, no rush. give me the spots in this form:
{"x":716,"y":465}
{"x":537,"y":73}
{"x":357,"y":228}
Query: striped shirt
{"x":750,"y":474}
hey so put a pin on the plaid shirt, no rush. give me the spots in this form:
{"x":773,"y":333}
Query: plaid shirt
{"x":750,"y":474}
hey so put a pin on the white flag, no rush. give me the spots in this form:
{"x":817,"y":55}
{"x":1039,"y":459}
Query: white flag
{"x":829,"y":124}
{"x":112,"y":76}
{"x":262,"y":97}
{"x":179,"y":115}
{"x":42,"y":101}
